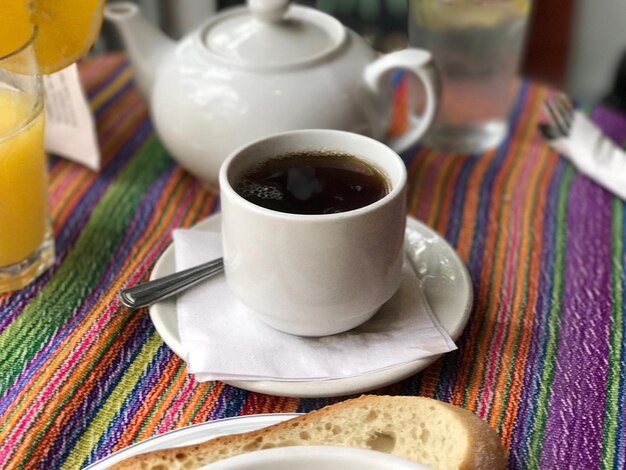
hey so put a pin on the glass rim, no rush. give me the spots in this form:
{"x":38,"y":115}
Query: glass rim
{"x":37,"y":87}
{"x":24,"y":46}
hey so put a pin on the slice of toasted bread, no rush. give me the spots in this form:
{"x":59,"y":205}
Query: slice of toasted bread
{"x":427,"y":431}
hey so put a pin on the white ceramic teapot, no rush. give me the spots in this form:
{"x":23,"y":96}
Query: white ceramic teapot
{"x":261,"y":69}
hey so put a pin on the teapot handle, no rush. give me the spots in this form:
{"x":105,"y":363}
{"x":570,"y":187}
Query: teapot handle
{"x":420,"y":63}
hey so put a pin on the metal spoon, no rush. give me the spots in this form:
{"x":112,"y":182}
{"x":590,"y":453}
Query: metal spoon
{"x":148,"y":293}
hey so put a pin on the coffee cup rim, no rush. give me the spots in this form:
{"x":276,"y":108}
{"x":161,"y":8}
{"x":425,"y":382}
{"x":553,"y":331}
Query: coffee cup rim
{"x":396,"y":189}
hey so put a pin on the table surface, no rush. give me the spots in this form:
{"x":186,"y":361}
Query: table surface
{"x":542,"y":359}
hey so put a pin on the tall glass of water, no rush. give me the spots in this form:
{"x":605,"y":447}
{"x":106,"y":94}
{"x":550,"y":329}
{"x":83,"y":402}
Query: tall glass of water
{"x":477,"y":45}
{"x":26,"y":244}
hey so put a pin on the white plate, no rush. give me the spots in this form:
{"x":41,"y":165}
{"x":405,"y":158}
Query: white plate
{"x":447,"y":287}
{"x":315,"y":458}
{"x":193,"y":435}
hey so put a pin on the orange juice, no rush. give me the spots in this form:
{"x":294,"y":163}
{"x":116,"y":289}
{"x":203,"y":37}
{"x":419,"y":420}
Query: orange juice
{"x":23,"y":182}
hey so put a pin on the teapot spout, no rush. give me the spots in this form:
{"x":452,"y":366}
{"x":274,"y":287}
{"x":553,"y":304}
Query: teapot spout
{"x":145,"y":43}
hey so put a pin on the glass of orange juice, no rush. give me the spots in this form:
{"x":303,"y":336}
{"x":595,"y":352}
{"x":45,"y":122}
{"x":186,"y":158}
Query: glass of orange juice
{"x":26,"y":243}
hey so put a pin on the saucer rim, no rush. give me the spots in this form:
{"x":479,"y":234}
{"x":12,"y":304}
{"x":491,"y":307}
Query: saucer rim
{"x":452,"y":322}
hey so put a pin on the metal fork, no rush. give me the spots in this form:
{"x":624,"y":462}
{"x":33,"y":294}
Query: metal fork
{"x":600,"y":149}
{"x":560,"y":112}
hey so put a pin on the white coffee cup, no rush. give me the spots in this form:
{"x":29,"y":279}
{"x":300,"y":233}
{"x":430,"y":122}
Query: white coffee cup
{"x":313,"y":275}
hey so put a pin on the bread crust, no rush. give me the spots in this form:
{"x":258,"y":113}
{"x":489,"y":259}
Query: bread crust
{"x":410,"y":427}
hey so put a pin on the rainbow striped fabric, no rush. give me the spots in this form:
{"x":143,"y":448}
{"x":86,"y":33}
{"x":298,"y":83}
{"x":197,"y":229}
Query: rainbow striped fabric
{"x":543,"y":358}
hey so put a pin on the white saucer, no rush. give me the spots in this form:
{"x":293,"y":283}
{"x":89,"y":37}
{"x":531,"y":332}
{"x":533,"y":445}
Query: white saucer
{"x":193,"y":435}
{"x":447,"y":287}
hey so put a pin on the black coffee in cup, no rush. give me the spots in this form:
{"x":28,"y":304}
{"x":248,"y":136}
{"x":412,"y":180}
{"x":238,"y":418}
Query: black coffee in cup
{"x":313,"y":182}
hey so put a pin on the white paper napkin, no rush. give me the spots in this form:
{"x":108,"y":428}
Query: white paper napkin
{"x":223,"y":341}
{"x":594,"y":155}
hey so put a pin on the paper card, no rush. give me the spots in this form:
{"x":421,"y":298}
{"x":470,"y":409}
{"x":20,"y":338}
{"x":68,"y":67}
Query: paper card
{"x":70,"y":126}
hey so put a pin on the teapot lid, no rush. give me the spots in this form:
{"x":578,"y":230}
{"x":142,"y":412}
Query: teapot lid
{"x":272,"y":33}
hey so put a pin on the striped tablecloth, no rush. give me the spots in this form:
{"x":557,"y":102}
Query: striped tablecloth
{"x":543,"y":358}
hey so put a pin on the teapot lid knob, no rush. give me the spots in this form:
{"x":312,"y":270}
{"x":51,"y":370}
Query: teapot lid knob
{"x":270,"y":11}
